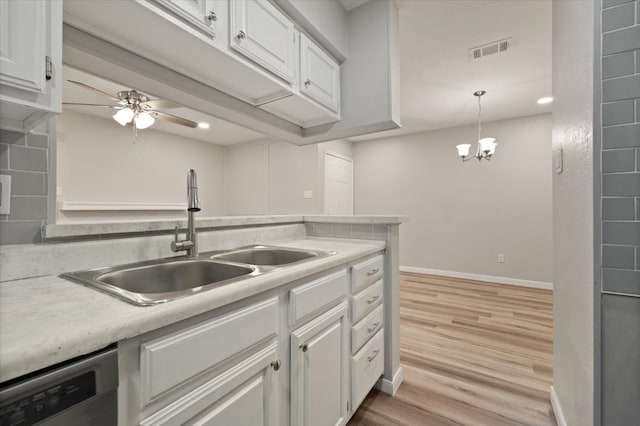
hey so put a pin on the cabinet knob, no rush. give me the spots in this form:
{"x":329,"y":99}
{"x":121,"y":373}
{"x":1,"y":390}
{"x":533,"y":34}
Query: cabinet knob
{"x":276,"y":365}
{"x":307,"y":82}
{"x":304,"y":347}
{"x":241,"y":35}
{"x":212,"y":16}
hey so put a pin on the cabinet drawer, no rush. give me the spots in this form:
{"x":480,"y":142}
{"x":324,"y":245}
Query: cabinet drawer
{"x":365,"y":301}
{"x":362,"y":331}
{"x":173,"y":359}
{"x":311,"y":297}
{"x":366,"y":368}
{"x":366,"y":273}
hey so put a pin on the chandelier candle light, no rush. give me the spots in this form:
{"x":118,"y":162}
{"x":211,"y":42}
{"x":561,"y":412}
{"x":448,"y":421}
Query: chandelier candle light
{"x":486,"y":146}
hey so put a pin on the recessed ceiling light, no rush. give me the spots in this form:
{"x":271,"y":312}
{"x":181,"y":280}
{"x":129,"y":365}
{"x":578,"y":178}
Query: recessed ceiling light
{"x":545,"y":100}
{"x":203,"y":125}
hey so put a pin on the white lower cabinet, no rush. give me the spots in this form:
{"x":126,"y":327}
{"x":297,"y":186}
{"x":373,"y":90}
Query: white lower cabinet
{"x":231,"y":367}
{"x":246,"y":394}
{"x":319,"y":375}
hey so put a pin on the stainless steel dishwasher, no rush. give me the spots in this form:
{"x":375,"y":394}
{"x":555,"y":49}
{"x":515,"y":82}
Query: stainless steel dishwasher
{"x":79,"y":392}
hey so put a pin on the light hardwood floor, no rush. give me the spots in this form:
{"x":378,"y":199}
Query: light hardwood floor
{"x":473,"y":353}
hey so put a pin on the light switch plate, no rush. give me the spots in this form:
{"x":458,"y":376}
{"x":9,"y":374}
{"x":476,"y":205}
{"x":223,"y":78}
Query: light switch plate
{"x":5,"y":194}
{"x":308,"y":195}
{"x":557,"y":161}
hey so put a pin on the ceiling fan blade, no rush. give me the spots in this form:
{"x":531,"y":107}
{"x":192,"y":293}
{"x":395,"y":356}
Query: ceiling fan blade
{"x":93,"y":89}
{"x":94,"y":105}
{"x":175,"y":119}
{"x":160,"y":104}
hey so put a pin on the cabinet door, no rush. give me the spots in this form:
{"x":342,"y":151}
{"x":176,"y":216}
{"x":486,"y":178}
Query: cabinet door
{"x":200,"y":14}
{"x":246,"y":394}
{"x":265,"y":35}
{"x":23,"y":28}
{"x":319,"y":370}
{"x":319,"y":74}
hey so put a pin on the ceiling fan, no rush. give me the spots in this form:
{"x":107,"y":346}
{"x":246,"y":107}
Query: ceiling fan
{"x":136,"y":108}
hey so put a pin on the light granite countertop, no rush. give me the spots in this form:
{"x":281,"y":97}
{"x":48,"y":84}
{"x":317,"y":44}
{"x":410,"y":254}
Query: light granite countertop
{"x":162,"y":225}
{"x":46,"y":320}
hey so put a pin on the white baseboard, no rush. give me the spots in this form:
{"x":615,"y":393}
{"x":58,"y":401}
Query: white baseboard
{"x":557,"y":409}
{"x":390,"y":387}
{"x":477,"y":277}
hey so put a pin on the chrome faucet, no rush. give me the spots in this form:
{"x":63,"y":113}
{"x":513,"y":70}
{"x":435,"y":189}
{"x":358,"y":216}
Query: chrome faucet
{"x":190,"y":244}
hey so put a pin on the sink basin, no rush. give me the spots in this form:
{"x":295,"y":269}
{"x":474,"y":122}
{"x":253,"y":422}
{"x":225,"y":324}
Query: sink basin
{"x":149,"y":283}
{"x":268,"y":256}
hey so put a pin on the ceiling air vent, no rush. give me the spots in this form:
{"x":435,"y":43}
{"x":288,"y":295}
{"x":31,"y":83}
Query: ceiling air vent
{"x":489,"y":49}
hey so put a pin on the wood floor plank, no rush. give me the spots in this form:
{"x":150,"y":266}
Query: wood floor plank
{"x":473,"y":353}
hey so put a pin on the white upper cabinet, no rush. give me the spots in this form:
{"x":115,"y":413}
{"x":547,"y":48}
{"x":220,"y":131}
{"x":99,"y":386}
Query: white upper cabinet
{"x":265,"y":35}
{"x":200,"y":14}
{"x":319,"y":74}
{"x":30,"y":58}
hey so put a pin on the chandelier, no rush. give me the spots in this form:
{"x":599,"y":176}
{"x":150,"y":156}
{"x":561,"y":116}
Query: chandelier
{"x":486,"y":146}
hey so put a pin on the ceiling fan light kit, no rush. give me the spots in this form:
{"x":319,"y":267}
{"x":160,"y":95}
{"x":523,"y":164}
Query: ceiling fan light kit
{"x":486,"y":146}
{"x":136,"y":108}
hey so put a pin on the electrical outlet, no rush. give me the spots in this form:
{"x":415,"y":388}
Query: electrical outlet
{"x":500,"y":258}
{"x":307,"y":195}
{"x":5,"y":194}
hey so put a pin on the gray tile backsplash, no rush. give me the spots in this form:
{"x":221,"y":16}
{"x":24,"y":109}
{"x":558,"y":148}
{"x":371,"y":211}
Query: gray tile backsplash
{"x":621,"y":184}
{"x":618,"y":113}
{"x":618,"y":208}
{"x":25,"y":159}
{"x":620,"y":155}
{"x":618,"y":257}
{"x":28,"y":208}
{"x":621,"y":41}
{"x":618,"y":65}
{"x":618,"y":17}
{"x":20,"y":232}
{"x":617,"y":89}
{"x":625,"y":136}
{"x":619,"y":160}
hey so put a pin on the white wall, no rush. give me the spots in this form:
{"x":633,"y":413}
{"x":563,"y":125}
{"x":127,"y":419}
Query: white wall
{"x":270,"y":177}
{"x":461,"y":215}
{"x":97,"y":160}
{"x":573,"y":56}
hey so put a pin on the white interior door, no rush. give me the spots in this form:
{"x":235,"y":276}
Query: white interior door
{"x":338,"y":185}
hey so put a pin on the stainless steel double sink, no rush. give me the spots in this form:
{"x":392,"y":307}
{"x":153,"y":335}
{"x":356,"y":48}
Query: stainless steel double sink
{"x":158,"y":281}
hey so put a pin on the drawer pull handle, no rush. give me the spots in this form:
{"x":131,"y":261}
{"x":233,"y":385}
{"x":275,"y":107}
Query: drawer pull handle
{"x":373,"y":272}
{"x":304,"y":347}
{"x":375,"y":354}
{"x":275,"y":365}
{"x":373,"y":327}
{"x":373,"y":299}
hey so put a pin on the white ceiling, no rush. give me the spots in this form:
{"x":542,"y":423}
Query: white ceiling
{"x":437,"y":77}
{"x":221,"y":132}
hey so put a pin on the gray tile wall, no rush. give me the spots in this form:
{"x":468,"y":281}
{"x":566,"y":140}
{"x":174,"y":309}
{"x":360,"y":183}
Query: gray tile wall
{"x":25,"y":158}
{"x":620,"y":156}
{"x":618,"y":355}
